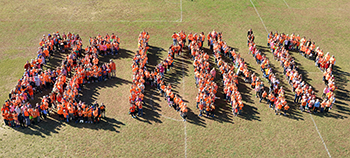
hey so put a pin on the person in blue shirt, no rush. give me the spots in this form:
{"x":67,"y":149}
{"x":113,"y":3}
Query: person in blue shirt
{"x":317,"y":105}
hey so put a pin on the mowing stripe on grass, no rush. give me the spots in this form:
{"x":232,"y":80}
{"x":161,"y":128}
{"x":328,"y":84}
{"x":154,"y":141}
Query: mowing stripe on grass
{"x":320,"y":136}
{"x":259,"y":16}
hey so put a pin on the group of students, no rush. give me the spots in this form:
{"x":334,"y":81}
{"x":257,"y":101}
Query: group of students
{"x":173,"y":100}
{"x":304,"y":93}
{"x":109,"y":44}
{"x":87,"y":69}
{"x":142,"y":75}
{"x":65,"y":83}
{"x":325,"y":62}
{"x":138,"y":71}
{"x":275,"y":96}
{"x":230,"y":78}
{"x":204,"y":77}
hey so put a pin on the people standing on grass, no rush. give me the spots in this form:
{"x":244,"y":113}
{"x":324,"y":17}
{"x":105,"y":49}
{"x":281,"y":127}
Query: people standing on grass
{"x":77,"y":68}
{"x":275,"y":95}
{"x":304,"y":93}
{"x":156,"y":77}
{"x":204,"y":77}
{"x":139,"y":70}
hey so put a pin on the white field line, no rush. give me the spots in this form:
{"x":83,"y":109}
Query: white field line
{"x":170,"y":118}
{"x":181,"y":10}
{"x":183,"y":91}
{"x":324,"y":144}
{"x":259,"y":16}
{"x":320,"y":136}
{"x":310,"y":114}
{"x":286,"y":3}
{"x":185,"y":130}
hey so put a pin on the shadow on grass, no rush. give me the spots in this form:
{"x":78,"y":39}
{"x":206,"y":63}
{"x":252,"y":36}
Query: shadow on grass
{"x":53,"y":125}
{"x":342,"y":94}
{"x":88,"y":95}
{"x":224,"y":109}
{"x":152,"y":109}
{"x":90,"y":92}
{"x":289,"y":96}
{"x":155,"y":56}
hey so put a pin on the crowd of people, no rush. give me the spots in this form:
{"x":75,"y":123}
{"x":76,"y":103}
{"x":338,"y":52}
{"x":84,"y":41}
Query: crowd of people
{"x":65,"y":82}
{"x":173,"y":100}
{"x":204,"y":76}
{"x":230,"y":78}
{"x":83,"y":67}
{"x":281,"y":44}
{"x":275,"y":96}
{"x":139,"y":72}
{"x":155,"y":78}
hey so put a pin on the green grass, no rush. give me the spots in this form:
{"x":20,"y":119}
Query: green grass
{"x":258,"y":133}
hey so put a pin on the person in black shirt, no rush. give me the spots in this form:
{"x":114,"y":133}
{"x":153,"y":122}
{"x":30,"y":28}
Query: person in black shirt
{"x":250,"y":36}
{"x":250,"y":32}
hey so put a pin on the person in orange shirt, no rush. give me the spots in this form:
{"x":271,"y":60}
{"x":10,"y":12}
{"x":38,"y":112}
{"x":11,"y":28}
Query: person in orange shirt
{"x":139,"y":107}
{"x":184,"y":111}
{"x":174,"y":36}
{"x":96,"y":114}
{"x":34,"y":115}
{"x":113,"y":68}
{"x":85,"y":115}
{"x":60,"y":112}
{"x":90,"y":116}
{"x":71,"y":112}
{"x":26,"y":117}
{"x":132,"y":111}
{"x":303,"y":104}
{"x":80,"y":116}
{"x":278,"y":108}
{"x":263,"y":96}
{"x":10,"y":118}
{"x":285,"y":109}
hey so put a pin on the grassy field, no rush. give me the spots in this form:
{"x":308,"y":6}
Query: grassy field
{"x":161,"y":133}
